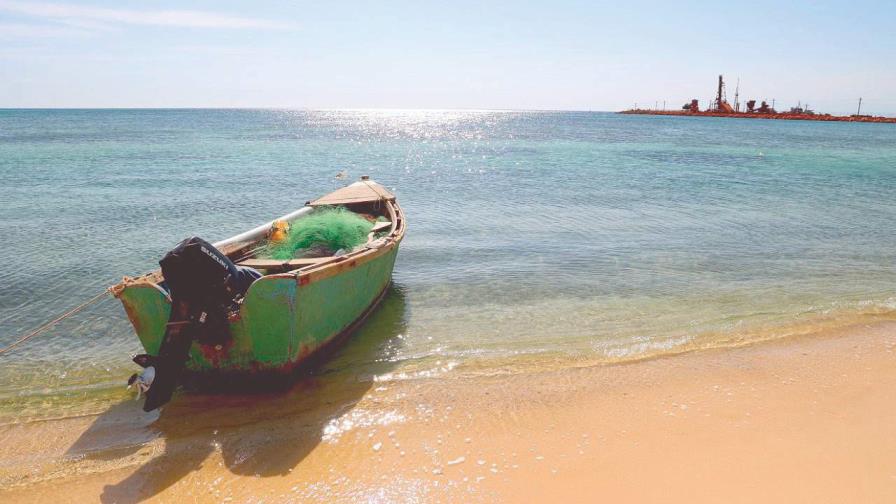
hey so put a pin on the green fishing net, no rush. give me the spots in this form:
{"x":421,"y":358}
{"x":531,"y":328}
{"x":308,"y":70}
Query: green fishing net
{"x":324,"y":232}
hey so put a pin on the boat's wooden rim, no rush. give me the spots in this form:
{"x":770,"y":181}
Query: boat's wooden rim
{"x":266,"y":264}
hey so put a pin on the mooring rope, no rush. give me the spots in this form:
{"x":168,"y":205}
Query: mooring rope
{"x":47,"y":325}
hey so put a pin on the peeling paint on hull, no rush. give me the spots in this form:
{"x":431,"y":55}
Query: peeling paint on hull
{"x":285,"y":320}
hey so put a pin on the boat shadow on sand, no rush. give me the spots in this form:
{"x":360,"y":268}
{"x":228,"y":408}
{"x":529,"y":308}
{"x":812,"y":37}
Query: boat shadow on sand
{"x":257,"y":434}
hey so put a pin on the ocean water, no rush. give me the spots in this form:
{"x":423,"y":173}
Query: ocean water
{"x":536,"y":240}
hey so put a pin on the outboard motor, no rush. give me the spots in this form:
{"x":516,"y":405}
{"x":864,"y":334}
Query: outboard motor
{"x":205,"y":286}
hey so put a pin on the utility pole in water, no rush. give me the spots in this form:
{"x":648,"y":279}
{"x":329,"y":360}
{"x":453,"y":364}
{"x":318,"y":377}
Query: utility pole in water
{"x":737,"y":96}
{"x":719,"y":95}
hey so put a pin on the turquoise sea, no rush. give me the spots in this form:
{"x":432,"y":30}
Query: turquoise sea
{"x":536,"y":240}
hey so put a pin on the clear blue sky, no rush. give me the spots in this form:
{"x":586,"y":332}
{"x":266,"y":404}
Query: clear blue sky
{"x":450,"y":54}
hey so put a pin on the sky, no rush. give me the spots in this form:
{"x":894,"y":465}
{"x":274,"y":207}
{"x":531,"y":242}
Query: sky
{"x":458,"y":54}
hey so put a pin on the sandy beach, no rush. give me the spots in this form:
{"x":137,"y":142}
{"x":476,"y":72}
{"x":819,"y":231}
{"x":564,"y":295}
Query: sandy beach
{"x":424,"y":252}
{"x":806,"y":419}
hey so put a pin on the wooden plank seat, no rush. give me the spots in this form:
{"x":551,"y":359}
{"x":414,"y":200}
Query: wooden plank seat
{"x":292,"y":264}
{"x":381,"y":226}
{"x":282,"y":265}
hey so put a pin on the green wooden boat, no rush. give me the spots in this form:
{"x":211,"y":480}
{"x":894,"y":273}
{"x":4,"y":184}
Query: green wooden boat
{"x":299,"y":308}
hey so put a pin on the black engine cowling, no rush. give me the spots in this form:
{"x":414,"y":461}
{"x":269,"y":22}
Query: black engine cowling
{"x":198,"y":274}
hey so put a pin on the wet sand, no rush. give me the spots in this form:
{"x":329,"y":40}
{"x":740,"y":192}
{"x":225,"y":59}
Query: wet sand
{"x":805,"y":419}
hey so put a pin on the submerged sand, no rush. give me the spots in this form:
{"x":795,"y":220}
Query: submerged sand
{"x":807,"y":419}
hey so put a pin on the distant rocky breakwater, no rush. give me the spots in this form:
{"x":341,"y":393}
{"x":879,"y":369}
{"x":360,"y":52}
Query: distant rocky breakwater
{"x":744,"y":115}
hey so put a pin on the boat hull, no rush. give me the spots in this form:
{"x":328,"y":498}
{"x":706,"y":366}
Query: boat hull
{"x":284,"y":321}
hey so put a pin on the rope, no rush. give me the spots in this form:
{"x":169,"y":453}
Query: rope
{"x":53,"y":322}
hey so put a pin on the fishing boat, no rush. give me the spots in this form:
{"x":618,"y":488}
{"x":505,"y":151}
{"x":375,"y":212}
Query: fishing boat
{"x":295,"y":310}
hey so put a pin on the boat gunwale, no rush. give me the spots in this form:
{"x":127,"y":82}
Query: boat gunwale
{"x":303,"y":276}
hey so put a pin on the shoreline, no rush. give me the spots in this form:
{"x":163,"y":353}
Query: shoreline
{"x":805,"y":418}
{"x":795,"y":419}
{"x":89,"y":398}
